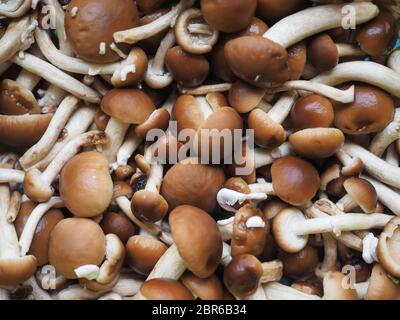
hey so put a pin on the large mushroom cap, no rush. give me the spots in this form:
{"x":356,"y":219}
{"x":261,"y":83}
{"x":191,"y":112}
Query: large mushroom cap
{"x":244,"y":97}
{"x":228,"y":15}
{"x":323,"y":52}
{"x":258,"y":61}
{"x":371,"y":111}
{"x":76,"y":242}
{"x":91,"y":23}
{"x":362,"y":192}
{"x":165,"y":289}
{"x":294,"y":180}
{"x":389,"y":247}
{"x":118,"y":224}
{"x":128,"y":105}
{"x":193,"y":184}
{"x":149,"y":206}
{"x":16,"y":271}
{"x":197,"y":238}
{"x":40,"y":243}
{"x":85,"y":184}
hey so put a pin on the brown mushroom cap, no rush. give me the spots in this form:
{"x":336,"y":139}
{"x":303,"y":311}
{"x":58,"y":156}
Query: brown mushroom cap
{"x":256,"y":27}
{"x":244,"y":97}
{"x":294,"y":180}
{"x":101,"y":119}
{"x":201,"y":253}
{"x":317,"y":142}
{"x":165,"y":289}
{"x":189,"y":70}
{"x":149,"y":6}
{"x":96,"y":22}
{"x":247,"y":164}
{"x":203,"y":288}
{"x":15,"y":271}
{"x":149,"y":206}
{"x":228,"y":15}
{"x":193,"y":184}
{"x":371,"y":111}
{"x":323,"y":53}
{"x":159,"y":119}
{"x":40,"y":242}
{"x":15,"y":99}
{"x":274,"y":10}
{"x":237,"y":184}
{"x":248,"y":239}
{"x":362,"y":192}
{"x":75,"y":242}
{"x":334,"y":289}
{"x":24,"y":130}
{"x":119,"y":225}
{"x":85,"y":184}
{"x":362,"y":269}
{"x":258,"y":61}
{"x":312,"y":111}
{"x":300,"y":263}
{"x":381,"y":287}
{"x":378,"y":36}
{"x":272,"y":208}
{"x":242,"y":275}
{"x":142,"y":253}
{"x":152,"y":43}
{"x":297,"y":60}
{"x":389,"y":247}
{"x":128,"y":105}
{"x":219,"y":65}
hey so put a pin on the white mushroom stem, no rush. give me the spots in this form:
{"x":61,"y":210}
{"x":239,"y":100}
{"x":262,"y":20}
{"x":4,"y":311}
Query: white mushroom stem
{"x":14,"y":8}
{"x":87,"y":271}
{"x":277,"y":291}
{"x":37,"y":292}
{"x":346,"y":203}
{"x":40,"y":210}
{"x":11,"y":41}
{"x":170,"y":265}
{"x":227,"y":198}
{"x":205,"y":89}
{"x":262,"y":187}
{"x":166,"y":21}
{"x":348,"y":50}
{"x":110,"y":296}
{"x":362,"y":289}
{"x":49,"y":138}
{"x":115,"y":131}
{"x":156,"y":173}
{"x":115,"y":254}
{"x":11,"y":175}
{"x":27,"y":79}
{"x":386,"y":195}
{"x":375,"y":166}
{"x":51,"y":98}
{"x":263,"y":157}
{"x":330,"y":255}
{"x":282,"y":107}
{"x":370,"y":244}
{"x":305,"y":23}
{"x":363,"y":71}
{"x":78,"y":124}
{"x":76,"y":292}
{"x":394,"y":61}
{"x":383,"y":139}
{"x":57,"y":77}
{"x":127,"y":286}
{"x":392,"y":157}
{"x":15,"y":205}
{"x":4,"y":294}
{"x":131,"y":143}
{"x":343,"y":96}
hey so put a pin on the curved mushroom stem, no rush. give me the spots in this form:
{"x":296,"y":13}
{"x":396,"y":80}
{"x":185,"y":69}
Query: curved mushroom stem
{"x":15,"y":204}
{"x":383,"y":139}
{"x":49,"y":138}
{"x":9,"y":248}
{"x":156,"y":173}
{"x":16,"y":8}
{"x":115,"y":131}
{"x":343,"y":96}
{"x":277,"y":291}
{"x":330,"y":255}
{"x":394,"y":61}
{"x":77,"y":124}
{"x":226,"y":198}
{"x":134,"y":35}
{"x":263,"y":157}
{"x":128,"y":147}
{"x":349,"y":163}
{"x":205,"y":89}
{"x":25,"y":240}
{"x":37,"y":292}
{"x":363,"y":71}
{"x":282,"y":107}
{"x":262,"y":187}
{"x":310,"y":21}
{"x":348,"y":50}
{"x":37,"y":185}
{"x":375,"y":166}
{"x":27,"y":79}
{"x":346,"y":203}
{"x":11,"y":175}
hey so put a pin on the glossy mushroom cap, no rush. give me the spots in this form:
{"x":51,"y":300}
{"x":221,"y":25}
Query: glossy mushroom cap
{"x":149,"y":206}
{"x":203,"y":288}
{"x":237,"y":184}
{"x":242,"y":275}
{"x":381,"y":287}
{"x":118,"y":224}
{"x":244,"y":97}
{"x":94,"y":23}
{"x":250,"y":230}
{"x":15,"y":99}
{"x":378,"y":36}
{"x":294,"y":180}
{"x":201,"y":254}
{"x":101,"y":119}
{"x":322,"y":52}
{"x":300,"y":263}
{"x":388,"y":247}
{"x":334,"y":288}
{"x":297,"y":60}
{"x":362,"y":192}
{"x":142,"y":253}
{"x":165,"y":289}
{"x":132,"y":106}
{"x":85,"y":184}
{"x":312,"y":111}
{"x":256,"y":27}
{"x":149,"y":6}
{"x":317,"y":142}
{"x":258,"y":61}
{"x":228,"y":15}
{"x":40,"y":243}
{"x":76,"y":242}
{"x":218,"y":64}
{"x":193,"y":184}
{"x":15,"y":271}
{"x":371,"y":111}
{"x":273,"y":10}
{"x":188,"y":70}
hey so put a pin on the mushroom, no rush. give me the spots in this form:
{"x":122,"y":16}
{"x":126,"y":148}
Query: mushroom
{"x":244,"y":97}
{"x":118,"y":224}
{"x":334,"y":288}
{"x":193,"y":34}
{"x":15,"y":9}
{"x":351,"y":165}
{"x":278,"y":291}
{"x":37,"y":185}
{"x":291,"y":229}
{"x":203,"y":288}
{"x":48,"y":139}
{"x":330,"y":255}
{"x":11,"y":175}
{"x":163,"y":289}
{"x":387,"y":247}
{"x":273,"y":11}
{"x":383,"y":139}
{"x":299,"y":264}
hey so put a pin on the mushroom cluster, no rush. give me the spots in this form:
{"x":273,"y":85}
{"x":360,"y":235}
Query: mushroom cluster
{"x":199,"y":149}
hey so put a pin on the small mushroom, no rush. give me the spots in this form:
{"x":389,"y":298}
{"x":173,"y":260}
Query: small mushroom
{"x":164,"y":289}
{"x":299,"y":264}
{"x":119,"y":225}
{"x":203,"y":288}
{"x":387,"y":247}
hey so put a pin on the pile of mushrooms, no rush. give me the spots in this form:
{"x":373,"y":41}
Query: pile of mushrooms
{"x":111,"y":189}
